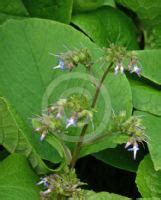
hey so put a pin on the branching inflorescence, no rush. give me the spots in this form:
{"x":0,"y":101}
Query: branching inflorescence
{"x":76,"y":112}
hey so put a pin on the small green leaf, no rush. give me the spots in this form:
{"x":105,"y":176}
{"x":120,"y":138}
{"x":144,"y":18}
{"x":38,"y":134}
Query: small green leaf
{"x":107,"y":25}
{"x":148,"y":180}
{"x":153,"y":129}
{"x":59,"y":10}
{"x":17,"y":180}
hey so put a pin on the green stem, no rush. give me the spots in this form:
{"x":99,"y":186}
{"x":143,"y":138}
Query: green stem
{"x":84,"y":129}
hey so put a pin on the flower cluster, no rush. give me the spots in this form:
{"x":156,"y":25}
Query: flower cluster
{"x":118,"y":55}
{"x":71,"y":112}
{"x":65,"y":184}
{"x":71,"y":59}
{"x":134,"y":128}
{"x":133,"y":65}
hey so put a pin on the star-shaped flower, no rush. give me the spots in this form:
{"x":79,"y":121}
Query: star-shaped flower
{"x":60,"y":66}
{"x":135,"y":148}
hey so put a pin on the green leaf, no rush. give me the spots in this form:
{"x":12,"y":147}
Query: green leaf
{"x":25,"y":47}
{"x":153,"y":127}
{"x":59,"y":10}
{"x":26,"y":73}
{"x":149,"y":61}
{"x":107,"y":25}
{"x":121,"y":97}
{"x":88,"y":5}
{"x":105,"y":196}
{"x":146,"y":97}
{"x":148,"y":180}
{"x":152,"y":38}
{"x":120,"y":158}
{"x":149,"y":13}
{"x":12,"y":9}
{"x":14,"y":139}
{"x":17,"y":180}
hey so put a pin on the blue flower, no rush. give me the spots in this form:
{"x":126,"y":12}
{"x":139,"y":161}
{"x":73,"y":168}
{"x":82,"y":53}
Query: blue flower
{"x":136,"y":70}
{"x":61,"y":65}
{"x":71,"y":122}
{"x":43,"y":181}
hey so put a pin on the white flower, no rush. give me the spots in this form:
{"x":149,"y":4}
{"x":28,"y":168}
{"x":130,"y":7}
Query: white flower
{"x":116,"y":69}
{"x":42,"y":136}
{"x":38,"y":129}
{"x":135,"y":148}
{"x":119,"y":67}
{"x":59,"y":115}
{"x":47,"y":191}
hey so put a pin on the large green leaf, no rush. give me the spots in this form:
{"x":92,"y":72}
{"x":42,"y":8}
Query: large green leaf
{"x":25,"y":48}
{"x":148,"y":12}
{"x":59,"y":10}
{"x":146,"y":97}
{"x":14,"y":139}
{"x":107,"y":25}
{"x":12,"y":9}
{"x":17,"y":180}
{"x":28,"y":69}
{"x":148,"y":180}
{"x":149,"y":15}
{"x":88,"y":5}
{"x":153,"y":127}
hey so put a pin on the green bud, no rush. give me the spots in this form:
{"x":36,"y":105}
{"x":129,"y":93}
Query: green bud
{"x":76,"y":59}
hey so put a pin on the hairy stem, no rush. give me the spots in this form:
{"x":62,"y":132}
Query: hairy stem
{"x":84,"y":129}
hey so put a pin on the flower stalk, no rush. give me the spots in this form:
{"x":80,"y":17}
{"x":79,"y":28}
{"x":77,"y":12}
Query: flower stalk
{"x":80,"y":142}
